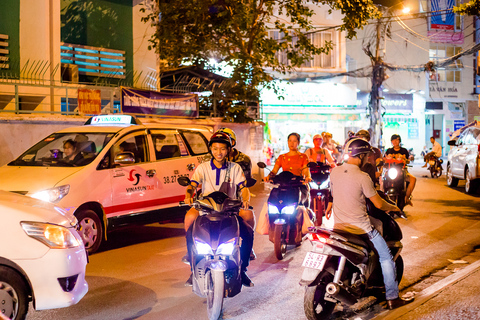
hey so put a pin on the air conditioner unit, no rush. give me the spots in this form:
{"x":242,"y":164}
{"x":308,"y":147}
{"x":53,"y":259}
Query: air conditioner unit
{"x":69,"y":72}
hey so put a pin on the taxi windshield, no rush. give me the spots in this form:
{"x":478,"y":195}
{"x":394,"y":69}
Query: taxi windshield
{"x":70,"y":149}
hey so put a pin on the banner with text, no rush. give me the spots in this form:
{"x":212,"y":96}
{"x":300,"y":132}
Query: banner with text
{"x":89,"y":101}
{"x":443,"y":17}
{"x":159,"y":103}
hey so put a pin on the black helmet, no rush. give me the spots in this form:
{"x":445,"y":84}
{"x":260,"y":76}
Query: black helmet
{"x":220,"y":137}
{"x":363,"y":134}
{"x":396,"y":136}
{"x":357,"y":146}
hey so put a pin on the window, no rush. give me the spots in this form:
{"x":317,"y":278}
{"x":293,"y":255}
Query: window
{"x":449,"y":73}
{"x":196,"y":141}
{"x":167,"y":146}
{"x":134,"y":143}
{"x":318,"y":39}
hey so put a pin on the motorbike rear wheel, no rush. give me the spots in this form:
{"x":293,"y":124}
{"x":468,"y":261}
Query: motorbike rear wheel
{"x":215,"y":293}
{"x":314,"y":303}
{"x":280,"y":241}
{"x":399,"y":268}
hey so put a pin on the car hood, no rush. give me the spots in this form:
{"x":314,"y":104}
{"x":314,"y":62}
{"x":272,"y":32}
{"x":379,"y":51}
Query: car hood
{"x":32,"y":179}
{"x":29,"y":209}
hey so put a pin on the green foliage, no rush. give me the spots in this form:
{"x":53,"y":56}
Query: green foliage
{"x":471,"y":8}
{"x":237,"y":32}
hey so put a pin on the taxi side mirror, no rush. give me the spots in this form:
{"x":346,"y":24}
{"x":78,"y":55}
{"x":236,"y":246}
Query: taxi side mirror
{"x":451,"y":142}
{"x":124,"y":158}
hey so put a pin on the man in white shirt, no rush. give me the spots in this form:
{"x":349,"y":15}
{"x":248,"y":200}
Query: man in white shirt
{"x":436,"y":151}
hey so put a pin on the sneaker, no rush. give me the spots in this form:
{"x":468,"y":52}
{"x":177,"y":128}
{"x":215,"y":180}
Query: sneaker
{"x":399,"y":302}
{"x":189,"y":282}
{"x":186,"y":259}
{"x":253,"y":256}
{"x":246,"y":281}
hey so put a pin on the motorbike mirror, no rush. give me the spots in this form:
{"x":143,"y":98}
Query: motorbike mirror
{"x":261,"y":165}
{"x":251,"y":182}
{"x":183,"y":181}
{"x":451,"y":142}
{"x":311,"y":164}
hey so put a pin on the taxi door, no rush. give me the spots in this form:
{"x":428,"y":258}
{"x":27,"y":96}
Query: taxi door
{"x":173,"y":160}
{"x":133,"y":186}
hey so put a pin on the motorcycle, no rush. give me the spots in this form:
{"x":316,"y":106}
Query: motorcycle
{"x":285,"y":212}
{"x":435,"y":166}
{"x":319,"y":189}
{"x":341,"y":267}
{"x":411,"y":158}
{"x":394,"y":181}
{"x":215,"y":253}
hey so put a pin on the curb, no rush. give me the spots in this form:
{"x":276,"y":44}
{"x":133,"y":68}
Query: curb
{"x":429,"y":293}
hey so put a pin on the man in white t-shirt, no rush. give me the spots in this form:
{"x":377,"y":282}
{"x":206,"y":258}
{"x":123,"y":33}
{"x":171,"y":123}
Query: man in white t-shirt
{"x":436,"y":151}
{"x":218,"y":174}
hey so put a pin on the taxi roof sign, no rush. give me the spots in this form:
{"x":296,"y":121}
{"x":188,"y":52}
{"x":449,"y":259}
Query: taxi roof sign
{"x":108,"y":119}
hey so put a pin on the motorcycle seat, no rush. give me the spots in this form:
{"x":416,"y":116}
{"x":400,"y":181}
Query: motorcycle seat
{"x":357,"y":239}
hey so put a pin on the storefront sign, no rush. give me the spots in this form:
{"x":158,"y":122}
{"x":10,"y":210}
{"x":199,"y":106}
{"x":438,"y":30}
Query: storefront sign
{"x":310,"y":117}
{"x":391,"y":102}
{"x":413,"y":130}
{"x":457,"y":124}
{"x":311,"y":94}
{"x":159,"y":103}
{"x":442,"y":16}
{"x":89,"y":101}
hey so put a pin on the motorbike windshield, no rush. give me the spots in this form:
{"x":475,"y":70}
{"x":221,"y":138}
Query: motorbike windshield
{"x":64,"y":150}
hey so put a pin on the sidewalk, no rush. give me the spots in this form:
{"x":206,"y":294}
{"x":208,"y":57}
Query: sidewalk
{"x":456,"y":296}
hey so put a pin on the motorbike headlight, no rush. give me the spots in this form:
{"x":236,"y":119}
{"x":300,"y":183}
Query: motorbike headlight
{"x":313,"y":185}
{"x":324,"y":184}
{"x":203,"y":248}
{"x":289,"y":209}
{"x":52,"y":235}
{"x":272,"y":209}
{"x":226,"y":248}
{"x":392,"y":173}
{"x":52,"y":195}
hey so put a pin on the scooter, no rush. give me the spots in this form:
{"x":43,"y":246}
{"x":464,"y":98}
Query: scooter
{"x":394,"y":181}
{"x":285,"y":212}
{"x":319,"y":189}
{"x":215,"y":254}
{"x":435,"y":166}
{"x":341,"y":267}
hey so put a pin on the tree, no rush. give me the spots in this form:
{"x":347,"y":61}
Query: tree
{"x":471,"y":8}
{"x":236,"y":32}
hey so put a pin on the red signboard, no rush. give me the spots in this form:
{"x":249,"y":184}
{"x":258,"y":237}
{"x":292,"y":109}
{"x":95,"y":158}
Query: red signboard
{"x":89,"y":101}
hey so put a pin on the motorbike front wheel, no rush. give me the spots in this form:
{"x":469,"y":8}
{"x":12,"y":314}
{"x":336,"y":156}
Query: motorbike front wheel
{"x":314,"y":303}
{"x":215,"y":293}
{"x":280,"y":241}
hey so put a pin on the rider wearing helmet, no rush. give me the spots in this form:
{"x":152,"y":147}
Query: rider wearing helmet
{"x":350,"y":187}
{"x":239,"y":157}
{"x":218,"y":174}
{"x":399,"y":152}
{"x":373,"y":157}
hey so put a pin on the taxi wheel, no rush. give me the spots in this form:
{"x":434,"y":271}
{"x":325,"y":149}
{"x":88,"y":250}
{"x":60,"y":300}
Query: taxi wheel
{"x":91,"y":230}
{"x":13,"y":294}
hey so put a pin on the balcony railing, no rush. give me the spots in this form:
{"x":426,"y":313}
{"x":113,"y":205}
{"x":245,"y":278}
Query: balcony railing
{"x":4,"y":52}
{"x":94,"y":61}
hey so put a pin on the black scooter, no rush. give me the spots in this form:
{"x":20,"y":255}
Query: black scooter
{"x":341,"y":267}
{"x":285,"y":211}
{"x":319,"y":189}
{"x":394,"y":181}
{"x":215,"y":254}
{"x":435,"y":166}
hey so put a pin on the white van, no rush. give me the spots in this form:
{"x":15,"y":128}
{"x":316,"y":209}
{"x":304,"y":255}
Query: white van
{"x":124,"y":171}
{"x":464,"y":159}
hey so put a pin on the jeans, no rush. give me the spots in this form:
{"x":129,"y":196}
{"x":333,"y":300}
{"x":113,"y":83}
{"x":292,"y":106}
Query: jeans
{"x":387,"y":263}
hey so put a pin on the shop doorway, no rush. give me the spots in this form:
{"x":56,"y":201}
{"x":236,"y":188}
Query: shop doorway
{"x":434,"y":128}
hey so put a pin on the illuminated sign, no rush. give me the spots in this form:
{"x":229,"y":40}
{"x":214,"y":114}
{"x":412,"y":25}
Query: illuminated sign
{"x":111,"y":119}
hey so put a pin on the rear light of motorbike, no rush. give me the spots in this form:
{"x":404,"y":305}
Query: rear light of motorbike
{"x":317,"y":237}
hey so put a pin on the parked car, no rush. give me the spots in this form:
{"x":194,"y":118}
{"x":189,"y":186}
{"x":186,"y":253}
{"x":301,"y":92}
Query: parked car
{"x":42,"y":257}
{"x":464,"y":159}
{"x":124,"y":171}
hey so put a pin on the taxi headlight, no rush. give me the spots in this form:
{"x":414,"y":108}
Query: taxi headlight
{"x":289,"y":209}
{"x":392,"y":173}
{"x":52,"y":195}
{"x":226,"y":248}
{"x":52,"y":235}
{"x":202,"y":247}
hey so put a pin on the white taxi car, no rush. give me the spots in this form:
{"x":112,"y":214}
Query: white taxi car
{"x":42,"y":257}
{"x":464,"y":159}
{"x":123,"y":171}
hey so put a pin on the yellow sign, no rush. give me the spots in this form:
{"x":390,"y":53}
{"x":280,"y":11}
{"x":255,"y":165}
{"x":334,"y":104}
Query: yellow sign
{"x":89,"y":101}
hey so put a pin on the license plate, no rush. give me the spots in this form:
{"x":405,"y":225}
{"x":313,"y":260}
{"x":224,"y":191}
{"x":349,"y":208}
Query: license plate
{"x":314,"y":260}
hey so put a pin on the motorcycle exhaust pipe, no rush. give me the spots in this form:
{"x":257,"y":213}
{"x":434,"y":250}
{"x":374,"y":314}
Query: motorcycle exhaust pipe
{"x":339,"y":293}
